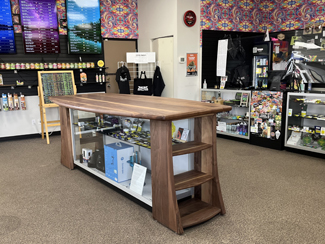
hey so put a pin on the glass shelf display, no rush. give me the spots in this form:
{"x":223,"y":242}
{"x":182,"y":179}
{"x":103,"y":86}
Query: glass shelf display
{"x":305,"y":123}
{"x":235,"y":123}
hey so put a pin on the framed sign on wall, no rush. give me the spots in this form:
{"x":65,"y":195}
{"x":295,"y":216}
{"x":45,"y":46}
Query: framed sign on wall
{"x":191,"y":64}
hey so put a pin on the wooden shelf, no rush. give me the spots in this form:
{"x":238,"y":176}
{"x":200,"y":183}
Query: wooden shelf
{"x":189,"y":147}
{"x":194,"y":212}
{"x":190,"y":178}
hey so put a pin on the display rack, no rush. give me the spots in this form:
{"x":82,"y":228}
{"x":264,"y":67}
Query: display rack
{"x":305,"y":122}
{"x":239,"y":115}
{"x":53,"y":83}
{"x":136,"y":69}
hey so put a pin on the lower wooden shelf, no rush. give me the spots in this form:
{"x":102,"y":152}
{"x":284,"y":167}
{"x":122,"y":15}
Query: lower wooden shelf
{"x":194,"y":212}
{"x":190,"y":178}
{"x":146,"y":196}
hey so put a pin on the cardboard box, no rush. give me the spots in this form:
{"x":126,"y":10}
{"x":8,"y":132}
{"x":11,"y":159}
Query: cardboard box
{"x":116,"y":166}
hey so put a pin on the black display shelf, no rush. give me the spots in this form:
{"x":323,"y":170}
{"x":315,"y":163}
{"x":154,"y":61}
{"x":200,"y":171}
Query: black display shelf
{"x":18,"y":70}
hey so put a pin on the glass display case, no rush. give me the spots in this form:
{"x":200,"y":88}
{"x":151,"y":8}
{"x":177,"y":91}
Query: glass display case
{"x":305,"y":123}
{"x":92,"y":132}
{"x":235,"y":123}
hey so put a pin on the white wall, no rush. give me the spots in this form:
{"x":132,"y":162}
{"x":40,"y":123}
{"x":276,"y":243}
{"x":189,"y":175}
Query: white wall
{"x":188,"y":41}
{"x":158,"y":18}
{"x":17,"y":123}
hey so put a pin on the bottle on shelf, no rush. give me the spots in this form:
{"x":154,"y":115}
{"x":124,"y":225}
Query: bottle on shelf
{"x":205,"y":85}
{"x":268,"y":135}
{"x":272,"y":134}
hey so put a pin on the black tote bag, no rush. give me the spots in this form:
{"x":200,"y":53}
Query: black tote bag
{"x":142,"y":86}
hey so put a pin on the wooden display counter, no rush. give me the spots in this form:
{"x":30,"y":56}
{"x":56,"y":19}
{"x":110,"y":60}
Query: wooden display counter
{"x":207,"y":200}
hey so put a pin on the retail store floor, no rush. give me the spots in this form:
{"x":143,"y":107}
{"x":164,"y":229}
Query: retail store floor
{"x":270,"y":197}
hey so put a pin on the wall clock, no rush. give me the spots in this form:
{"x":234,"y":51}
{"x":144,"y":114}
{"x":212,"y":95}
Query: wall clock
{"x":189,"y":18}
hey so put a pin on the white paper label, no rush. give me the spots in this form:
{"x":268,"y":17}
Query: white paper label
{"x":222,"y":126}
{"x":138,"y":177}
{"x":277,"y":49}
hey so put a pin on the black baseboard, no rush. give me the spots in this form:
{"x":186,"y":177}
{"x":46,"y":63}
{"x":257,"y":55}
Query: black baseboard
{"x":232,"y":138}
{"x":29,"y":136}
{"x":308,"y":153}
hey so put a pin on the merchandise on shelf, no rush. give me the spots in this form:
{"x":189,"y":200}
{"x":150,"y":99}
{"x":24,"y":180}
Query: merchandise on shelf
{"x":266,"y":111}
{"x":306,"y":120}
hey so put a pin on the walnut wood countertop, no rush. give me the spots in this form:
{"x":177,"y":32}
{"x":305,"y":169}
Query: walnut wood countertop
{"x":146,"y":107}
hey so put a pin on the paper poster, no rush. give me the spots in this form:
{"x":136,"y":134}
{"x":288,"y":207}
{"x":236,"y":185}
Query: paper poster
{"x":191,"y":64}
{"x":222,"y":57}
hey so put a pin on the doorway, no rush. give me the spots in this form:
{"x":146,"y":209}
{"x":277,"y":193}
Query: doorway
{"x":164,"y":49}
{"x":115,"y":51}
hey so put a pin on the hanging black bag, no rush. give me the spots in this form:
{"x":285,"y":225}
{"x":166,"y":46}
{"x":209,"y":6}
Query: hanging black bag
{"x":142,"y":86}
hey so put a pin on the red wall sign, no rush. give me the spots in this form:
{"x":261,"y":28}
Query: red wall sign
{"x":189,"y":18}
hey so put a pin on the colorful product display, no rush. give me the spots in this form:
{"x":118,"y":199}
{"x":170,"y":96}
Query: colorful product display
{"x":266,"y":110}
{"x":56,"y":84}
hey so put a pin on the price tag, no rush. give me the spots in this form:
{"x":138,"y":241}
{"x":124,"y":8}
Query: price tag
{"x":322,"y":131}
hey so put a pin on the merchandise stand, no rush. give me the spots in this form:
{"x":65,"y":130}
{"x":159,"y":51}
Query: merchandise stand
{"x":46,"y":90}
{"x":136,"y":69}
{"x":207,"y":200}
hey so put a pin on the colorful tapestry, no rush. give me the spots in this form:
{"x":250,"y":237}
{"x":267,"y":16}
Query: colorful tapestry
{"x":260,"y":15}
{"x":119,"y":19}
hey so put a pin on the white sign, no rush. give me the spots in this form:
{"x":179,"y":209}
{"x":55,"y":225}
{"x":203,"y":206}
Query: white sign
{"x":222,"y":126}
{"x":138,"y":177}
{"x":222,"y":57}
{"x":141,"y":58}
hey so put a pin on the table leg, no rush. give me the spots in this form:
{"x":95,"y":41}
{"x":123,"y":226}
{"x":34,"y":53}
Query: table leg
{"x":66,"y":140}
{"x":164,"y":203}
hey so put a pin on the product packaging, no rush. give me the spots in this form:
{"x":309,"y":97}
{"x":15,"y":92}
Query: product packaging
{"x":5,"y":102}
{"x":16,"y":101}
{"x":22,"y":102}
{"x":116,"y":166}
{"x":10,"y":102}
